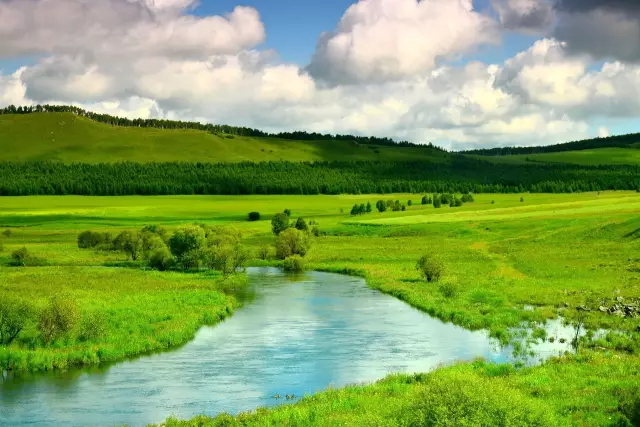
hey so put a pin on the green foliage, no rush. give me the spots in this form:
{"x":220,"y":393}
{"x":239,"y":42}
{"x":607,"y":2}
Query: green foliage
{"x":254,"y":216}
{"x":160,"y":258}
{"x":287,"y":212}
{"x":369,"y":208}
{"x":521,"y":199}
{"x":301,"y":225}
{"x":436,"y":202}
{"x":14,"y":315}
{"x":131,"y":243}
{"x":279,"y":223}
{"x":58,"y":318}
{"x":294,"y":263}
{"x":264,"y":253}
{"x":90,"y":239}
{"x":358,"y":209}
{"x":409,"y":202}
{"x":467,"y":198}
{"x":157,"y":230}
{"x":448,"y":290}
{"x":185,"y":244}
{"x":92,"y":326}
{"x":431,"y":267}
{"x":22,"y":258}
{"x":292,"y":242}
{"x":381,"y":206}
{"x":7,"y":233}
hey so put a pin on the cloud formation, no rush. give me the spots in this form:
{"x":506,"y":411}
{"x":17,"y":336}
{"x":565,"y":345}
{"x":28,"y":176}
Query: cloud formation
{"x":529,"y":16}
{"x":383,"y":40}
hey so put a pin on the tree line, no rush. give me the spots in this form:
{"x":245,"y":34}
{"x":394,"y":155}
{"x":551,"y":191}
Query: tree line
{"x":616,"y":141}
{"x":461,"y":176}
{"x":208,"y":127}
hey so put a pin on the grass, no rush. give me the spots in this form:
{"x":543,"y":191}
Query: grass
{"x":598,"y":156}
{"x":69,"y":138}
{"x":506,"y":262}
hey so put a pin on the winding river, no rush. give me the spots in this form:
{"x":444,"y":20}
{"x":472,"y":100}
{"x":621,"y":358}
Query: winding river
{"x":299,"y":335}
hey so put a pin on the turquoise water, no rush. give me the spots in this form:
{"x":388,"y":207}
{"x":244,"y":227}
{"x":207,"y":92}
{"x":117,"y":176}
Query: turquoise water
{"x":299,"y":335}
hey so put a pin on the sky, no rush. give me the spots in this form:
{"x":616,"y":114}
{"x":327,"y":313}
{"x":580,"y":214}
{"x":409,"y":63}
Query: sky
{"x":458,"y":73}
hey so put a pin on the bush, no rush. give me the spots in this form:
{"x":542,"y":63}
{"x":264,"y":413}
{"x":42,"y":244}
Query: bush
{"x":131,"y":243}
{"x":21,"y":257}
{"x":425,"y":200}
{"x":295,"y":264}
{"x":279,"y":223}
{"x":226,"y":234}
{"x":254,"y":216}
{"x":369,"y":208}
{"x":521,"y":199}
{"x":493,"y":202}
{"x":431,"y":267}
{"x":157,"y":230}
{"x":302,"y":225}
{"x":292,"y":242}
{"x":7,"y":233}
{"x":14,"y":314}
{"x":409,"y":203}
{"x":185,"y":242}
{"x":437,"y":203}
{"x":448,"y":290}
{"x":468,"y":198}
{"x":264,"y":253}
{"x":93,"y":326}
{"x":403,"y":208}
{"x":57,"y":319}
{"x":161,"y":259}
{"x":287,"y":212}
{"x":381,"y":206}
{"x":316,"y":231}
{"x":90,"y":239}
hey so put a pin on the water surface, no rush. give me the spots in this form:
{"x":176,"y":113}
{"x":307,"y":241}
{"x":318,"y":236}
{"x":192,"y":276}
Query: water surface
{"x":300,"y":335}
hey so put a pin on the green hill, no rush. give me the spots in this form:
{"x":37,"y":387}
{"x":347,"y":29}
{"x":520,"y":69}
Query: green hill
{"x":599,"y":156}
{"x":68,"y":138}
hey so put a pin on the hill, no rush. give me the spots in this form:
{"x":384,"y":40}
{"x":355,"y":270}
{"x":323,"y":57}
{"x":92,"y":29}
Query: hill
{"x":598,"y":156}
{"x":68,"y":137}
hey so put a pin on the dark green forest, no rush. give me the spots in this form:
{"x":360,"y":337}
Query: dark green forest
{"x":617,"y":141}
{"x":462,"y":175}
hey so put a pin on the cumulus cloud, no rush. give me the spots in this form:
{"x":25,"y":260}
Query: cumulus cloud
{"x":604,"y":29}
{"x":382,"y":40}
{"x":530,"y":16}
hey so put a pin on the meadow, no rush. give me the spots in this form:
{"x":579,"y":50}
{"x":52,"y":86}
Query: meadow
{"x":598,"y":156}
{"x":509,"y":259}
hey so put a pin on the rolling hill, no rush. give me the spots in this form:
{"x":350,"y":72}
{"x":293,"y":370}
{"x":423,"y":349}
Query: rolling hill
{"x":68,"y":138}
{"x":598,"y":156}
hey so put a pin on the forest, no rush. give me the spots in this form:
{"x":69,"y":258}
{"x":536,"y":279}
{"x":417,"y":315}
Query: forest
{"x":461,"y":175}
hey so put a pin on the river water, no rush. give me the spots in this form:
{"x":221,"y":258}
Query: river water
{"x":299,"y":335}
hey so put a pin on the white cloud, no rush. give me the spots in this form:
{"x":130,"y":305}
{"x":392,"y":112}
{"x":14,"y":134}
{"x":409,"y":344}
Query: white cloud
{"x":382,"y":40}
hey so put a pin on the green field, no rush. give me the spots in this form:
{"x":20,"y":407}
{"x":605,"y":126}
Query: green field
{"x":599,"y":156}
{"x":69,"y":138}
{"x":501,"y":256}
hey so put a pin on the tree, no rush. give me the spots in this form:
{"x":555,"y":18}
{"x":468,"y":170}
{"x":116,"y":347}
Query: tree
{"x":409,"y":203}
{"x":381,"y":206}
{"x":264,"y":252}
{"x":90,"y":239}
{"x":431,"y":267}
{"x":254,"y":216}
{"x":437,"y":203}
{"x":521,"y":199}
{"x":292,"y":242}
{"x":468,"y":198}
{"x":185,"y":244}
{"x":294,"y":263}
{"x":369,"y":208}
{"x":58,"y":318}
{"x":157,"y":230}
{"x":160,"y":258}
{"x":362,"y":209}
{"x":287,"y":212}
{"x":21,"y":257}
{"x":425,"y":200}
{"x":279,"y":223}
{"x":131,"y":243}
{"x":14,"y":314}
{"x":302,"y":225}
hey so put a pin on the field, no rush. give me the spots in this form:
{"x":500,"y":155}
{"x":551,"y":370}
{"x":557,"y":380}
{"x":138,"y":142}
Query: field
{"x":599,"y":156}
{"x":508,"y":259}
{"x":69,"y":138}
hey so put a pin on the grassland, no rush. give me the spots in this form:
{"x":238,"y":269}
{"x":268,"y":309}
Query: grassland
{"x":69,"y":138}
{"x":599,"y":156}
{"x":502,"y":256}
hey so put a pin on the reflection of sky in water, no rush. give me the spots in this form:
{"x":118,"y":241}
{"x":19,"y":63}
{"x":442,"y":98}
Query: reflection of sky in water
{"x":295,"y":338}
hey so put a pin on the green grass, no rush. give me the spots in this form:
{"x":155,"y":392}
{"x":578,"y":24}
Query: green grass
{"x":69,"y":138}
{"x":599,"y":156}
{"x":552,"y":252}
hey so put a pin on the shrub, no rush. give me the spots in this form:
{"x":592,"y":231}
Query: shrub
{"x":403,"y":208}
{"x":292,"y":242}
{"x":157,"y":230}
{"x":185,"y":242}
{"x":7,"y":233}
{"x":409,"y":203}
{"x":279,"y":223}
{"x":448,"y":290}
{"x":254,"y":216}
{"x":129,"y":242}
{"x":14,"y":315}
{"x":225,"y":234}
{"x":431,"y":267}
{"x":21,"y":257}
{"x":57,"y":319}
{"x":368,"y":208}
{"x":521,"y":199}
{"x":264,"y":253}
{"x":302,"y":225}
{"x":90,"y":239}
{"x":316,"y":231}
{"x":381,"y":206}
{"x":493,"y":202}
{"x":93,"y":325}
{"x":295,"y":264}
{"x":437,"y":203}
{"x":161,"y":259}
{"x":287,"y":212}
{"x":468,"y":198}
{"x":425,"y":200}
{"x":150,"y":243}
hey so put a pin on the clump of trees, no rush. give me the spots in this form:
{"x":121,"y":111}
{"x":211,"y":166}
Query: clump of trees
{"x":426,"y":200}
{"x":359,"y":209}
{"x":431,"y":267}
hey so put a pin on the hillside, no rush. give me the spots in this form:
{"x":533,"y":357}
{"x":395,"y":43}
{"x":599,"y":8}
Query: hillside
{"x":599,"y":156}
{"x":68,"y":138}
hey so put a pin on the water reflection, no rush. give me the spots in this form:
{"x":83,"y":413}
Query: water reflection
{"x":298,"y":335}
